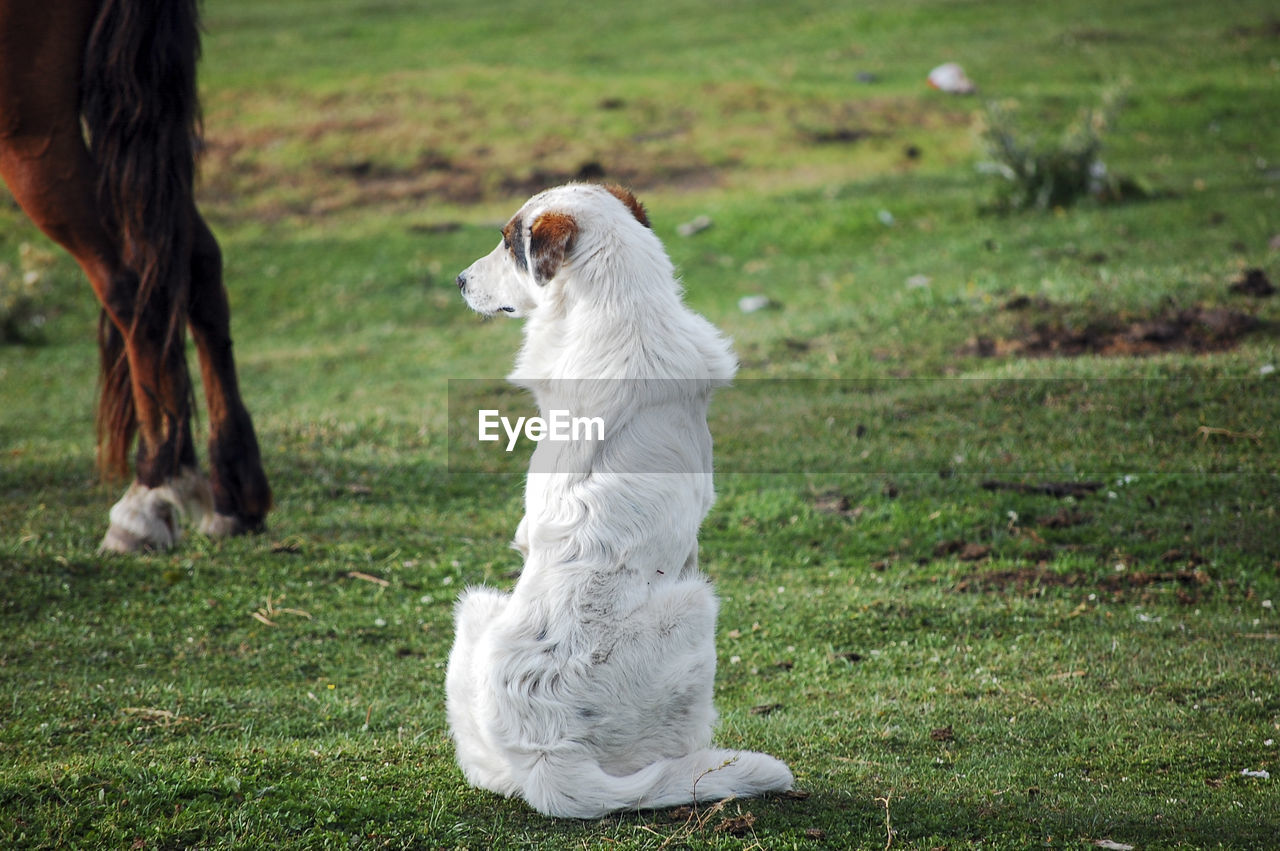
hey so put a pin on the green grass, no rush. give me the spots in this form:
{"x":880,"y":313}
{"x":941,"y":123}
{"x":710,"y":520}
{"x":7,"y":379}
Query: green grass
{"x":986,"y":668}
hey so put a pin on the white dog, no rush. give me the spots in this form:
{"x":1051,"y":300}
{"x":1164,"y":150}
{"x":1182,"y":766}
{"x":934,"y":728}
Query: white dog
{"x":588,"y":688}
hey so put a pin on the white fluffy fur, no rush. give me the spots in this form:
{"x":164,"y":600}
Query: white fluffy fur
{"x":152,"y":518}
{"x":588,"y":688}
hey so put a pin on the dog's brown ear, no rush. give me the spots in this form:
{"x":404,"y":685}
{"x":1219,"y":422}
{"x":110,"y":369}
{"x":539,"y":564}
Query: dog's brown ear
{"x":550,"y":239}
{"x":624,"y":195}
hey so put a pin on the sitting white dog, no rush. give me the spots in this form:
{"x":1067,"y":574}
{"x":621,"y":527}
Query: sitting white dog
{"x":588,"y":688}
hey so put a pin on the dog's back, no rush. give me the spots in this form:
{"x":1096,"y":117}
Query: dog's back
{"x":588,"y":689}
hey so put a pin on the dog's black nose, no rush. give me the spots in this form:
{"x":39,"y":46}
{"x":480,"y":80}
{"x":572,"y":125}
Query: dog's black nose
{"x":462,"y":280}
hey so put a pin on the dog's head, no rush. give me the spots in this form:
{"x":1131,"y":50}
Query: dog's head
{"x":544,"y":238}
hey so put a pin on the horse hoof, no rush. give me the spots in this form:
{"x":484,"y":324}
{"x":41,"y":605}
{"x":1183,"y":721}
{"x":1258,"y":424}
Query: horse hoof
{"x":142,"y":520}
{"x":118,"y":540}
{"x":217,"y":525}
{"x":148,"y":519}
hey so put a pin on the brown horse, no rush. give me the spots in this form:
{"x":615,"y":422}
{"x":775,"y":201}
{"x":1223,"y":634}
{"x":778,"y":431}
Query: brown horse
{"x":98,"y":137}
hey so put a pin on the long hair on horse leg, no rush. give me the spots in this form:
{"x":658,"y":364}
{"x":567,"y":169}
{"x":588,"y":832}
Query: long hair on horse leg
{"x":141,"y":113}
{"x":116,"y":414}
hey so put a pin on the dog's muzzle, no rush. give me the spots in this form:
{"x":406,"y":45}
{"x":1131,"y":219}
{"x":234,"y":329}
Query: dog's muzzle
{"x":462,"y":280}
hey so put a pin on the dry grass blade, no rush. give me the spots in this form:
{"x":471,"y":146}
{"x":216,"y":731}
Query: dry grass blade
{"x":157,"y":717}
{"x":888,"y":825}
{"x":1206,"y":431}
{"x":1066,"y":675}
{"x":265,"y":614}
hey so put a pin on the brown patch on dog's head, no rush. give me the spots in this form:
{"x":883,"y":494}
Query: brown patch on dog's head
{"x":550,"y":239}
{"x":624,"y":195}
{"x":513,"y":239}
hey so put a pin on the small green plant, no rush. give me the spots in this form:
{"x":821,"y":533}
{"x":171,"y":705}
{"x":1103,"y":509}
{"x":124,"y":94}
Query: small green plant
{"x":1041,"y":176}
{"x":25,"y":295}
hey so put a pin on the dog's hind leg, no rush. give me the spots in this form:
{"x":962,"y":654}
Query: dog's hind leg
{"x":477,"y":608}
{"x":467,"y":701}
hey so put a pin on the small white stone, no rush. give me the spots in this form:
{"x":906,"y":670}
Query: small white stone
{"x":696,"y":225}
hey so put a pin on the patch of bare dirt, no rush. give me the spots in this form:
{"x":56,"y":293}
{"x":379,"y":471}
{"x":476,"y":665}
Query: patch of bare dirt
{"x":825,"y":122}
{"x":834,"y":502}
{"x":1269,"y":28}
{"x":1033,"y":579}
{"x":1064,"y":518}
{"x":327,"y":186}
{"x":739,"y":825}
{"x":1044,"y":330}
{"x":1254,"y":283}
{"x":962,"y":550}
{"x":344,"y":159}
{"x":1058,"y":489}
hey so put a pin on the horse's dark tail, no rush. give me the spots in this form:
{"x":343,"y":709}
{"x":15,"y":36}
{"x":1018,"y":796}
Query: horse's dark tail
{"x":141,"y":113}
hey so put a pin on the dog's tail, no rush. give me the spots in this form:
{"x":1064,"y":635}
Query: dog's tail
{"x":562,"y":785}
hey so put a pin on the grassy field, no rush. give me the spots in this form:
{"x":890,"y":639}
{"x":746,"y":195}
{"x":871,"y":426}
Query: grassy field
{"x":997,"y":537}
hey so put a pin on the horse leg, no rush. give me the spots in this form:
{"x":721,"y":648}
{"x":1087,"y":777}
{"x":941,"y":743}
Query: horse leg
{"x":143,"y":389}
{"x":169,"y":489}
{"x":241,"y":495}
{"x":44,"y":161}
